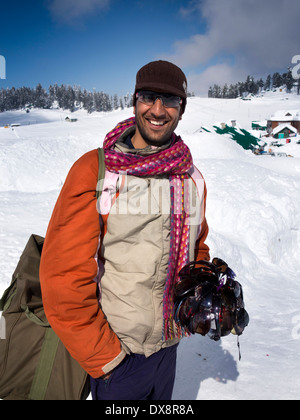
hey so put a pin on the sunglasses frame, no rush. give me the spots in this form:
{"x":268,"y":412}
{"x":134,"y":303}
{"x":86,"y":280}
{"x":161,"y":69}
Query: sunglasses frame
{"x":164,"y":97}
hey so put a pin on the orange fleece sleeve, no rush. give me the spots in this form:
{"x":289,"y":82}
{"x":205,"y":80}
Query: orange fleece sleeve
{"x":68,"y":269}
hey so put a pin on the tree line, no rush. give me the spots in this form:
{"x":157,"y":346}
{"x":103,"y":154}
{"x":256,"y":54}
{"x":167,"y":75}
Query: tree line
{"x":64,"y":96}
{"x":252,"y":86}
{"x":73,"y":98}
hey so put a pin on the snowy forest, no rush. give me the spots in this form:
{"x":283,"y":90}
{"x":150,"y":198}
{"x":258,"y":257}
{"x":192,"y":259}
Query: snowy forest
{"x":73,"y":98}
{"x":64,"y":97}
{"x":251,"y":86}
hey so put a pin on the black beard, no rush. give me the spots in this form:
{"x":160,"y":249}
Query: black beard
{"x":152,"y":142}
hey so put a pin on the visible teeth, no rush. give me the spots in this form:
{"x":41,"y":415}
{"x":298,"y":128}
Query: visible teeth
{"x":157,"y":122}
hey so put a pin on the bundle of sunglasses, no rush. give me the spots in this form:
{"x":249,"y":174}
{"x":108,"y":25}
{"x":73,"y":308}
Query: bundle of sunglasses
{"x":209,"y":301}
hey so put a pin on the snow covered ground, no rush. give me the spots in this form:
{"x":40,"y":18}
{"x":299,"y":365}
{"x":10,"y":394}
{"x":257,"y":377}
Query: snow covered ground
{"x":253,"y":210}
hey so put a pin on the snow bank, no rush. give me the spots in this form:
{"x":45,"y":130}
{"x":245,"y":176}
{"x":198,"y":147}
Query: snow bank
{"x":253,"y":210}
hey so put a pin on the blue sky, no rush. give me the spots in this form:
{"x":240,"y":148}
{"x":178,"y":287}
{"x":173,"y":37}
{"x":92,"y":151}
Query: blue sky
{"x":102,"y":43}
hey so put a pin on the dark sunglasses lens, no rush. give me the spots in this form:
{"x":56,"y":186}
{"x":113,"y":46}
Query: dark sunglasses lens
{"x":184,"y":311}
{"x":206,"y":302}
{"x":201,"y":322}
{"x":227,"y":323}
{"x":171,"y":101}
{"x":185,"y":287}
{"x":231,"y":295}
{"x":220,"y":264}
{"x":168,"y":101}
{"x":228,"y":299}
{"x":146,"y":98}
{"x":242,"y":321}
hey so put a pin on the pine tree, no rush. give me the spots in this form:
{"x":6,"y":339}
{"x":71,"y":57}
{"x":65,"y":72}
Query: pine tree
{"x":267,"y":85}
{"x":40,"y":97}
{"x":232,"y":91}
{"x":289,"y":80}
{"x":277,"y":80}
{"x":225,"y":91}
{"x":216,"y":91}
{"x":69,"y":101}
{"x":260,"y":84}
{"x":115,"y":101}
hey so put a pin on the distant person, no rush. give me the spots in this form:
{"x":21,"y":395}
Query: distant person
{"x":151,"y":224}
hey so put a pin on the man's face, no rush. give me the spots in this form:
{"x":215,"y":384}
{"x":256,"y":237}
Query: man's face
{"x":155,"y":123}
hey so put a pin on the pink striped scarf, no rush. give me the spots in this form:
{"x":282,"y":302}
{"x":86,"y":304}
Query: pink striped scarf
{"x":175,"y":162}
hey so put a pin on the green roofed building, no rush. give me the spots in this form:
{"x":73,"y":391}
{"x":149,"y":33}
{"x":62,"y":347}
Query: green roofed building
{"x":239,"y":135}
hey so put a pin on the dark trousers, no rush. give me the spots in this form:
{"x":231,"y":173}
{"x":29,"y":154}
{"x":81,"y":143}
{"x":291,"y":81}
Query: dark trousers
{"x":139,"y":378}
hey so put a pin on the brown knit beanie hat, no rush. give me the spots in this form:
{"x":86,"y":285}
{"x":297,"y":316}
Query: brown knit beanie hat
{"x":164,"y":77}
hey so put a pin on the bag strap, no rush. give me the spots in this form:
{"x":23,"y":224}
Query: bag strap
{"x":101,"y":172}
{"x":44,"y":368}
{"x":33,"y":318}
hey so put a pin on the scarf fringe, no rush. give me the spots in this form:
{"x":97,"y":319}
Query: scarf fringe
{"x":172,"y":330}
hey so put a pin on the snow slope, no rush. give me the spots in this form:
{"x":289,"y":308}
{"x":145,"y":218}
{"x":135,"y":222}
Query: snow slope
{"x":253,"y":211}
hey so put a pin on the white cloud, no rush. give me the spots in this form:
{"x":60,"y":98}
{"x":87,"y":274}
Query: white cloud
{"x":73,"y":10}
{"x":215,"y":74}
{"x":261,"y":35}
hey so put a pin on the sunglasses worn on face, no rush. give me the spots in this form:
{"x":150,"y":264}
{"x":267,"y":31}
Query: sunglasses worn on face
{"x":149,"y":98}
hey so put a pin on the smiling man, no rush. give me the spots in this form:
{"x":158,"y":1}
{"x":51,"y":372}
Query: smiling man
{"x":160,"y":99}
{"x":126,"y":338}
